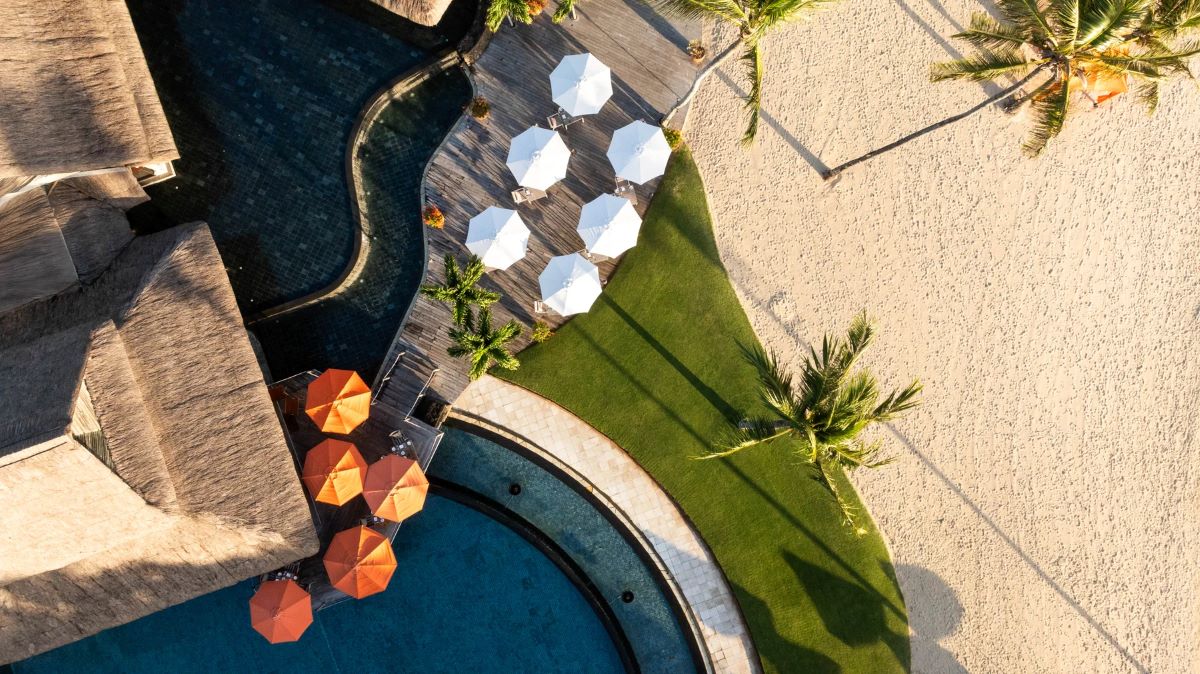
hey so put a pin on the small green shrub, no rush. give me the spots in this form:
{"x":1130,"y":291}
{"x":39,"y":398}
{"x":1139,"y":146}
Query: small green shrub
{"x":541,"y":332}
{"x":674,"y":137}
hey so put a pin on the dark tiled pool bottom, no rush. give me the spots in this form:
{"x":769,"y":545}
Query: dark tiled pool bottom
{"x":354,"y":328}
{"x":261,"y":96}
{"x":470,"y":595}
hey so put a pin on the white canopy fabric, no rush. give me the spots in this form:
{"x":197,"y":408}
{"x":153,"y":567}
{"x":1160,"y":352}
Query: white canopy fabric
{"x":581,"y":84}
{"x":538,"y":158}
{"x":639,"y":152}
{"x":609,"y":225}
{"x":498,"y":236}
{"x":570,"y":284}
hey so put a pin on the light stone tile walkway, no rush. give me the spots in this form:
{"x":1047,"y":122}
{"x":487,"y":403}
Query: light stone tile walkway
{"x":630,"y":488}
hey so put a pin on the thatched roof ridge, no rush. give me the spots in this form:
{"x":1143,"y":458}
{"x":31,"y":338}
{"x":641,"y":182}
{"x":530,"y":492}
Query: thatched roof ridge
{"x":76,"y":93}
{"x":424,"y":12}
{"x":194,"y":441}
{"x":34,"y":258}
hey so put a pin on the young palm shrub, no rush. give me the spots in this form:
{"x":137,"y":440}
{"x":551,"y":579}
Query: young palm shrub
{"x":483,"y":346}
{"x":513,"y":10}
{"x":459,"y":289}
{"x":823,"y":413}
{"x":1093,"y":48}
{"x":753,"y":20}
{"x":565,"y":8}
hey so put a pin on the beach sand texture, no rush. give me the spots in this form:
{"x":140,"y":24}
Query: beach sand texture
{"x":1043,"y":509}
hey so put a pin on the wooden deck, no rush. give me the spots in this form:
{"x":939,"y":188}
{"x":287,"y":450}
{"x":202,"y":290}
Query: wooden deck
{"x":374,"y":440}
{"x":651,"y":70}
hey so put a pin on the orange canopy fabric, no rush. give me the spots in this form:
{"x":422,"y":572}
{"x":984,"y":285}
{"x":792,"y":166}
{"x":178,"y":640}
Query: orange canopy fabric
{"x":338,"y":401}
{"x":395,"y":488}
{"x":280,"y":611}
{"x":360,"y":562}
{"x":334,"y":471}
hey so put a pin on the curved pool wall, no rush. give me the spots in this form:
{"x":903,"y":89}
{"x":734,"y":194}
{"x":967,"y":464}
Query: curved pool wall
{"x":470,"y":595}
{"x":261,"y":96}
{"x":581,"y":528}
{"x":354,"y":327}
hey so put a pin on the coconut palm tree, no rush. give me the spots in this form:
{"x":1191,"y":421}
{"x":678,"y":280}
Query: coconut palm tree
{"x":513,"y":10}
{"x":483,"y":346}
{"x":824,"y":412}
{"x":459,"y":289}
{"x":753,"y":19}
{"x":1093,"y":48}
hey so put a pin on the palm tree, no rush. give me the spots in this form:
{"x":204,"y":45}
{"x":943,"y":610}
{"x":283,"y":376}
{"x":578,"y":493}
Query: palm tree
{"x":825,"y":411}
{"x":753,"y":19}
{"x":459,"y":289}
{"x":513,"y":10}
{"x":565,"y":8}
{"x":1090,"y":47}
{"x":484,"y":346}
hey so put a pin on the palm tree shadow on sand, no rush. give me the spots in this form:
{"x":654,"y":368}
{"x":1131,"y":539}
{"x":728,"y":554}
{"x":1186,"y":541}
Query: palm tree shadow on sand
{"x":934,"y":617}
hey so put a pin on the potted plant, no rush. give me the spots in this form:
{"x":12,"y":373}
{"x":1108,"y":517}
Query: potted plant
{"x":697,"y":51}
{"x":433,"y":217}
{"x":479,"y":108}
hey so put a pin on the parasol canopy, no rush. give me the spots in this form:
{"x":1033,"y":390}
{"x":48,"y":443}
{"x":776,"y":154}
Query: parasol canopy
{"x":280,"y":610}
{"x":334,"y":471}
{"x":581,"y":84}
{"x":360,"y":562}
{"x":396,"y":488}
{"x":538,"y":158}
{"x":338,"y":401}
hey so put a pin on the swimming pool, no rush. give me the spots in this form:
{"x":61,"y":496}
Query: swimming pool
{"x":354,"y":328}
{"x":481,"y":587}
{"x":261,"y":96}
{"x":470,"y":595}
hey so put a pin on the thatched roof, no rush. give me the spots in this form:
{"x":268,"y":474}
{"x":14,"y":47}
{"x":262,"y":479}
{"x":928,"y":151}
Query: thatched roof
{"x":34,"y":259}
{"x":424,"y":12}
{"x":76,"y":93}
{"x":199,"y":491}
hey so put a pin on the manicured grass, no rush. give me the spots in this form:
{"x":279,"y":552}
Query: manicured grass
{"x":656,"y":366}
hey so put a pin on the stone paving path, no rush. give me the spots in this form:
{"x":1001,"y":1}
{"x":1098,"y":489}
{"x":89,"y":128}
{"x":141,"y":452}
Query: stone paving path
{"x":632,"y":489}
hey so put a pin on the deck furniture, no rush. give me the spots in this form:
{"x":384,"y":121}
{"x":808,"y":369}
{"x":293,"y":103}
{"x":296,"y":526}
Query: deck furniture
{"x":626,"y":190}
{"x":525,"y":194}
{"x":561,"y":120}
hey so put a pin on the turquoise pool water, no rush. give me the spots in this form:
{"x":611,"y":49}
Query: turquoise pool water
{"x":470,"y":596}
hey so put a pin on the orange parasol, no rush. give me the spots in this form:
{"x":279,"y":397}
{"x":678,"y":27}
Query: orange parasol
{"x":334,"y":472}
{"x":338,"y":401}
{"x":360,"y":562}
{"x":280,"y":611}
{"x":395,"y":488}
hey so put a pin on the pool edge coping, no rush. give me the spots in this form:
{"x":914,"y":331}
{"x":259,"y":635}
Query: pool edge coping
{"x":474,"y":423}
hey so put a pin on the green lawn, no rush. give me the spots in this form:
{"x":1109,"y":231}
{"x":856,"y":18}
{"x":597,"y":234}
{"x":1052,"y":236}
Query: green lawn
{"x":655,"y":365}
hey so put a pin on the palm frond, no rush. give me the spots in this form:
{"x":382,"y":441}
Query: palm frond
{"x":564,"y":9}
{"x":771,"y":13}
{"x":987,"y":33}
{"x":754,"y":69}
{"x":750,"y":433}
{"x":897,"y":403}
{"x":1029,"y":17}
{"x":1147,"y":95}
{"x":729,"y":11}
{"x":1050,"y":111}
{"x":1155,"y":62}
{"x":499,"y":10}
{"x":1066,"y":20}
{"x":1104,"y":23}
{"x":981,"y":67}
{"x":824,"y":475}
{"x":774,"y":382}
